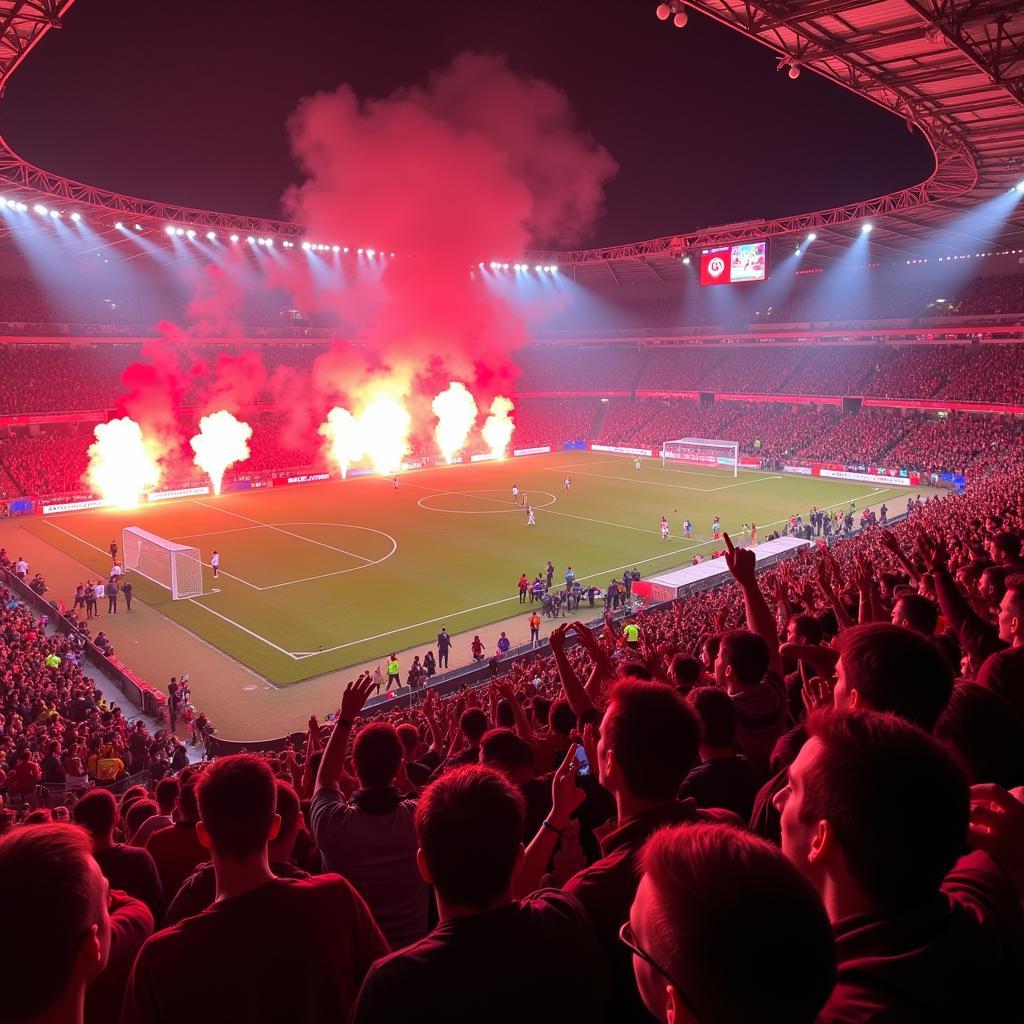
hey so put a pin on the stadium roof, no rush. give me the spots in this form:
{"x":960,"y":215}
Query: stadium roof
{"x":953,"y":69}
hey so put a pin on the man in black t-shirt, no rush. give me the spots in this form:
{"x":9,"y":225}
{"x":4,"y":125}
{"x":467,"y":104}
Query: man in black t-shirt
{"x":125,"y":867}
{"x":491,"y":957}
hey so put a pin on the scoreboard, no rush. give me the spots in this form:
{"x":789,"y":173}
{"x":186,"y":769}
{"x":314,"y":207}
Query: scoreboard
{"x":734,"y":264}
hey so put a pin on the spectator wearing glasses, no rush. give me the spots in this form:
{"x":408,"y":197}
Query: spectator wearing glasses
{"x":724,"y":930}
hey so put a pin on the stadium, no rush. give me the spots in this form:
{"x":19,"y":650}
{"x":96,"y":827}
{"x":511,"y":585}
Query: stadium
{"x":706,"y":547}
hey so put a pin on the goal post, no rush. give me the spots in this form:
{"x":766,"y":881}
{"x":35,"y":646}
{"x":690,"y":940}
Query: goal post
{"x":701,"y":451}
{"x":176,"y":567}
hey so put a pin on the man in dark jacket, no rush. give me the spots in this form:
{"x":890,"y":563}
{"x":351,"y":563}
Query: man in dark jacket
{"x":875,"y":815}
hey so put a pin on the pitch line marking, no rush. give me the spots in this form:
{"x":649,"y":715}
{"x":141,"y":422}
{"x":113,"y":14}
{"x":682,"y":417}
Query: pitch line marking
{"x":214,"y":533}
{"x":515,"y":597}
{"x":512,"y":506}
{"x":238,"y":625}
{"x":636,"y":480}
{"x":297,"y":536}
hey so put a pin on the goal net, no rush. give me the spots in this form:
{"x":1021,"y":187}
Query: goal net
{"x":701,"y":451}
{"x":177,"y":567}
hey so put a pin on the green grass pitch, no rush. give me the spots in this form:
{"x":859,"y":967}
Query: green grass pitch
{"x":315,"y":578}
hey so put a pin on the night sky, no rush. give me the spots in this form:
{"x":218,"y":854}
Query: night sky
{"x":187,"y":102}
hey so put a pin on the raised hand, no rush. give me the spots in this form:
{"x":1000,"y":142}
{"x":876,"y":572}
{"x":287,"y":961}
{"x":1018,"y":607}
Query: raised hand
{"x":355,"y":696}
{"x":566,"y":796}
{"x":888,"y":540}
{"x":997,"y":827}
{"x":557,"y":636}
{"x":816,"y":693}
{"x":741,"y":562}
{"x":933,"y":552}
{"x":590,"y":738}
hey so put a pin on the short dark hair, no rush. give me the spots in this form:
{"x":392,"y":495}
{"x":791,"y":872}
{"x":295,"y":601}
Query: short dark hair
{"x":503,"y":747}
{"x":409,"y":737}
{"x":187,"y":801}
{"x":470,"y":826}
{"x":982,"y":731}
{"x":377,"y":753}
{"x":287,"y":805}
{"x":717,"y":714}
{"x":920,"y":613}
{"x":1015,"y":588}
{"x":897,"y":801}
{"x":473,"y":724}
{"x":748,"y":655}
{"x":896,"y":670}
{"x":719,"y":897}
{"x":541,"y":709}
{"x":47,"y":886}
{"x":137,"y":814}
{"x":684,"y":671}
{"x":561,"y":717}
{"x":1008,"y":543}
{"x":237,"y":797}
{"x":808,"y":628}
{"x":96,"y":812}
{"x":504,"y":715}
{"x":167,"y":793}
{"x":654,"y":735}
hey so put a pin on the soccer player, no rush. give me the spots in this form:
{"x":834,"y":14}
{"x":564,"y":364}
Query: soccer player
{"x":515,"y":494}
{"x":215,"y":563}
{"x":567,"y":484}
{"x":531,"y":519}
{"x":687,"y":528}
{"x":716,"y":527}
{"x":395,"y":484}
{"x":664,"y":528}
{"x":636,"y":463}
{"x":753,"y":535}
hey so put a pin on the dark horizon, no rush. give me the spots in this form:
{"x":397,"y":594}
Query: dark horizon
{"x":139,"y":101}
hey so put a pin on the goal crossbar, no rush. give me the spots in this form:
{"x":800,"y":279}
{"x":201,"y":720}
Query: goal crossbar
{"x":176,"y":567}
{"x":701,"y":451}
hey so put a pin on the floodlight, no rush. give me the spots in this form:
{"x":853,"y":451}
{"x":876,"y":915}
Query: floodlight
{"x":40,"y":209}
{"x":76,"y":217}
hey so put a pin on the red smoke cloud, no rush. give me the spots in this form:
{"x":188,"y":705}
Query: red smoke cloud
{"x":477,"y":164}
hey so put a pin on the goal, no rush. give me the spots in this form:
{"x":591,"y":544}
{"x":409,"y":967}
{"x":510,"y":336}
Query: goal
{"x":701,"y":451}
{"x":177,"y":567}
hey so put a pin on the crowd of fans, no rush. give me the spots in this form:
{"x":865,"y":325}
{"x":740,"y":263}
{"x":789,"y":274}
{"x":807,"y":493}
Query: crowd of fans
{"x":541,"y":421}
{"x":53,"y":463}
{"x":789,"y":799}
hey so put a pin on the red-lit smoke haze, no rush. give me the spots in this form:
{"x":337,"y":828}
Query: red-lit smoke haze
{"x":477,"y":164}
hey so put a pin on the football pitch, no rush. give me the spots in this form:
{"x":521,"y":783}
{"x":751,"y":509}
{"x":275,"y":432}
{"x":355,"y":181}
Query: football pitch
{"x":320,"y":577}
